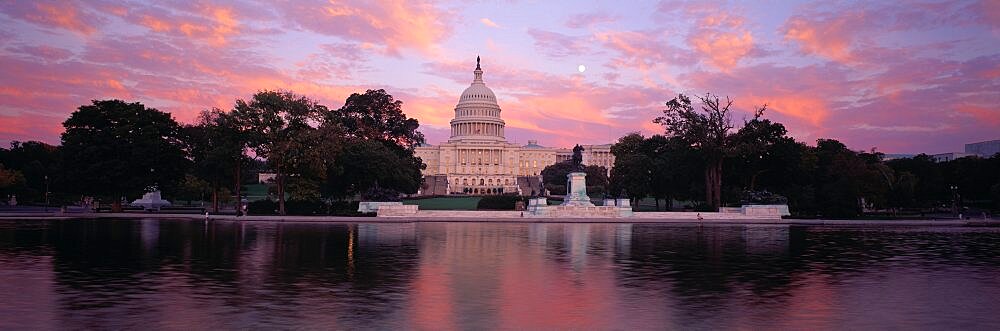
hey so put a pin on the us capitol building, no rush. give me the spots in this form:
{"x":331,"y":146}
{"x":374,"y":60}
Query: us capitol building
{"x":477,"y":159}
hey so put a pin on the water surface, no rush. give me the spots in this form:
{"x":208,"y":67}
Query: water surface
{"x":141,"y":274}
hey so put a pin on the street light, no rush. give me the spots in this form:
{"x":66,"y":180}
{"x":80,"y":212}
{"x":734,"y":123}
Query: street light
{"x":47,"y":193}
{"x":954,"y":201}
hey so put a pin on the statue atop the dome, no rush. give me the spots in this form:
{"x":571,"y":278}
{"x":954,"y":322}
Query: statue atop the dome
{"x":578,"y":158}
{"x":477,"y":63}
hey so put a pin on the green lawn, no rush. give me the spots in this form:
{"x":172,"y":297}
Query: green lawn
{"x":458,"y":203}
{"x":255,"y":192}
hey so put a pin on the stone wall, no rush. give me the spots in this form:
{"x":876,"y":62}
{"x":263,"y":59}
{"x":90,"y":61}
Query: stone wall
{"x":397,"y":210}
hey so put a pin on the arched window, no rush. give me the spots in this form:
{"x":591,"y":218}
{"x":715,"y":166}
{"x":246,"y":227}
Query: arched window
{"x":482,"y":182}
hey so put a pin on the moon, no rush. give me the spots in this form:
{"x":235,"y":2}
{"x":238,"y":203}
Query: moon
{"x":581,"y":68}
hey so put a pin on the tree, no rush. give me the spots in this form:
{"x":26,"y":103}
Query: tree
{"x":10,"y":180}
{"x":753,"y":142}
{"x":708,"y":131}
{"x":116,"y":149}
{"x":374,"y":170}
{"x":378,"y":140}
{"x":376,"y":115}
{"x":675,"y":169}
{"x":632,"y":171}
{"x":554,"y":177}
{"x":847,"y":181}
{"x":902,"y":192}
{"x":281,"y":131}
{"x":931,"y":186}
{"x":659,"y":166}
{"x":216,"y":146}
{"x":39,"y":166}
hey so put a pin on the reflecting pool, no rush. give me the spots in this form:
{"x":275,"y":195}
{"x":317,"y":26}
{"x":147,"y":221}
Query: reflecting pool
{"x":148,"y":273}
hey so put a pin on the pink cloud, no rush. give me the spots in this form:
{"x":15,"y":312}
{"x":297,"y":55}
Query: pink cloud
{"x":489,"y":23}
{"x":558,"y":45}
{"x":69,"y":15}
{"x":920,"y":68}
{"x":644,"y":50}
{"x":590,"y":19}
{"x":393,"y":25}
{"x":831,"y":38}
{"x":214,"y":25}
{"x":988,"y":115}
{"x":720,"y":37}
{"x":722,"y":49}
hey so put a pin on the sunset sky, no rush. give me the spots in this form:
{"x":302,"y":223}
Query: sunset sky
{"x":902,"y":76}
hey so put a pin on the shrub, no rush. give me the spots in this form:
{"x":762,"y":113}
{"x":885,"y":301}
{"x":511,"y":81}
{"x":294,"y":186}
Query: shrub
{"x":305,"y":207}
{"x":380,"y":194}
{"x":346,"y":208}
{"x":262,"y":207}
{"x":763,"y":197}
{"x":498,"y":202}
{"x":704,"y":207}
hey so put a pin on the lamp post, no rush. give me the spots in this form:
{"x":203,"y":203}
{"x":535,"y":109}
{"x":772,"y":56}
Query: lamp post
{"x":954,"y":200}
{"x":47,"y":193}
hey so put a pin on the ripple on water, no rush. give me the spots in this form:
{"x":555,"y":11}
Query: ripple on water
{"x":192,"y":275}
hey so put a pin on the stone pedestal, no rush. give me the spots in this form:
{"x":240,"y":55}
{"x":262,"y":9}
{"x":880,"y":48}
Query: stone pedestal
{"x":373,"y":206}
{"x":624,"y":203}
{"x":766,"y":210}
{"x":576,"y":190}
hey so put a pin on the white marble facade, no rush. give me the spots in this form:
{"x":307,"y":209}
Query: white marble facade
{"x":478,"y":159}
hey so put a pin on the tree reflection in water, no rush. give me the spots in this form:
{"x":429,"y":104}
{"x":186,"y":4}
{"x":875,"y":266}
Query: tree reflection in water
{"x":184,"y":274}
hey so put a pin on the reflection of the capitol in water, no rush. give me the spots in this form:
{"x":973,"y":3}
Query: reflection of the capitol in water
{"x":181,"y":274}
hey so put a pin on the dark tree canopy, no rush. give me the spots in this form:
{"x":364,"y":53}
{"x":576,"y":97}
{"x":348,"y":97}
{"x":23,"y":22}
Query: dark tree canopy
{"x":658,"y":166}
{"x":216,"y":146}
{"x":368,"y":168}
{"x":112,"y":149}
{"x":709,"y":132}
{"x":554,"y":177}
{"x":36,"y":164}
{"x":10,"y":181}
{"x":376,"y":115}
{"x":280,"y":128}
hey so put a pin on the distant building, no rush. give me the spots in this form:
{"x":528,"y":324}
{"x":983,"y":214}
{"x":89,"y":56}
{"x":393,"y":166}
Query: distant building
{"x":983,"y":148}
{"x":945,"y":157}
{"x":477,"y":158}
{"x":888,"y":157}
{"x":266,"y":177}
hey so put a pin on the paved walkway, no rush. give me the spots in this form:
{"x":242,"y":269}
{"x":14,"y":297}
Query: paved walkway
{"x":341,"y":219}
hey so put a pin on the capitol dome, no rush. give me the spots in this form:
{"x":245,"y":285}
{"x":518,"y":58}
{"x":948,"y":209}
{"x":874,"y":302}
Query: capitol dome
{"x":477,"y":114}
